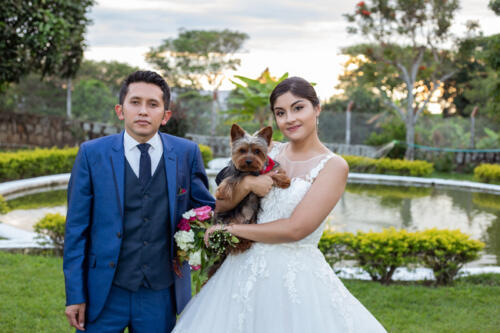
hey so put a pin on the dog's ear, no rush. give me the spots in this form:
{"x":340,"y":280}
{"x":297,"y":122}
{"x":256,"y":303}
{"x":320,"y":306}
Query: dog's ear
{"x":266,"y":133}
{"x":236,"y":132}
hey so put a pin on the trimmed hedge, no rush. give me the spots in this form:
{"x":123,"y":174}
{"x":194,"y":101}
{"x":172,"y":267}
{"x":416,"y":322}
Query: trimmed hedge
{"x":41,"y":162}
{"x":488,"y":173}
{"x":34,"y":163}
{"x":380,"y":253}
{"x":389,"y":166}
{"x":52,"y":226}
{"x":206,"y":154}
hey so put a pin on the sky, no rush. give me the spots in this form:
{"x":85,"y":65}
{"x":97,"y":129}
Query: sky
{"x":303,"y":38}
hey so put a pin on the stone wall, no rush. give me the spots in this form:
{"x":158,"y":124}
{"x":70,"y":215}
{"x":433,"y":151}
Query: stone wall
{"x":19,"y":130}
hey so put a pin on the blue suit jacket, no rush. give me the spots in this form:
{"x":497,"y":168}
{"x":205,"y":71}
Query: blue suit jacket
{"x":94,"y":222}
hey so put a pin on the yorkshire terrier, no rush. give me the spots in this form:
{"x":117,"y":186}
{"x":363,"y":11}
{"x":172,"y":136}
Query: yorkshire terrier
{"x":249,"y":157}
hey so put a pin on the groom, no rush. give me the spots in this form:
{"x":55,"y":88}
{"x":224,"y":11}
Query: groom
{"x":125,"y":196}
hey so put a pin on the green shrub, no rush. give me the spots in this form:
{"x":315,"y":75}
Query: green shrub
{"x":444,"y":162}
{"x":206,"y":154}
{"x":52,"y":226}
{"x":4,"y":207}
{"x":404,"y":167}
{"x":488,"y":173}
{"x":335,"y":246}
{"x":380,"y":253}
{"x":38,"y":162}
{"x":446,"y":251}
{"x":389,"y":166}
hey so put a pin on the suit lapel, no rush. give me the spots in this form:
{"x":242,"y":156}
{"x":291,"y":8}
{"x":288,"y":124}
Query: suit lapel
{"x":118,"y":166}
{"x":171,"y":171}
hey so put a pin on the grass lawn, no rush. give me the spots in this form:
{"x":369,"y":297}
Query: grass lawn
{"x":32,"y":300}
{"x":453,"y":175}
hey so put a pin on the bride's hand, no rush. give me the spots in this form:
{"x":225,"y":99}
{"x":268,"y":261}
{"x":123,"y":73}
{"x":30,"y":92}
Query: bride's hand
{"x":210,"y":230}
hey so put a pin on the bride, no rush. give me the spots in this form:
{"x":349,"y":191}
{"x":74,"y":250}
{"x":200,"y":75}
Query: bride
{"x":283,"y":283}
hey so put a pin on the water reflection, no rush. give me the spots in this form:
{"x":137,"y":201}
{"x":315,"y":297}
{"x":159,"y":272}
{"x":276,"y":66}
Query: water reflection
{"x":374,"y":207}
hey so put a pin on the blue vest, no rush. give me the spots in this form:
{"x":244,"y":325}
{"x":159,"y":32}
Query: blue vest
{"x":145,"y":258}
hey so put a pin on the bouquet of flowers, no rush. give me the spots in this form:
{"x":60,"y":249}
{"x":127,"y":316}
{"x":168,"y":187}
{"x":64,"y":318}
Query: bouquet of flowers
{"x":191,"y":247}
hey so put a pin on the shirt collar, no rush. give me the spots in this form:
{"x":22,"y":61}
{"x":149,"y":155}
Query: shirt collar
{"x":130,"y":143}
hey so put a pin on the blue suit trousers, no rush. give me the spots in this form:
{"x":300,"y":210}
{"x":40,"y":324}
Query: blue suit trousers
{"x":143,"y":311}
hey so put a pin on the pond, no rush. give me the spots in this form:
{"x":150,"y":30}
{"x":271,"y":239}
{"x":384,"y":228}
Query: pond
{"x":362,"y":207}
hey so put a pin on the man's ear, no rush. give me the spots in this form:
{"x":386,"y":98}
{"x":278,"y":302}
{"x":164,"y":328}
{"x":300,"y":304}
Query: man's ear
{"x":166,"y":117}
{"x":119,"y":111}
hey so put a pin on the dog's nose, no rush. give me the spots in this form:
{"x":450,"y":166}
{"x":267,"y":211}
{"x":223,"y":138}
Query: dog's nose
{"x":248,"y":162}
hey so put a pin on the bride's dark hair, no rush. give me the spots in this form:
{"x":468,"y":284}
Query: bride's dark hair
{"x":298,"y":87}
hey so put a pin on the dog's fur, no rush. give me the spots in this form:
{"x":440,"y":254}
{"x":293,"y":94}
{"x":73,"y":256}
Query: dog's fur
{"x":249,"y":157}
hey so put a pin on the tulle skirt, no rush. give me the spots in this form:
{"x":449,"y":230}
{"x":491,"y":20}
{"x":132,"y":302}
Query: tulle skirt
{"x":276,"y":288}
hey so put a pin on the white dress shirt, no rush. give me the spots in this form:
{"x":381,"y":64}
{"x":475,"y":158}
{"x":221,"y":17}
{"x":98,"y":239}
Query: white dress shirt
{"x":133,"y":154}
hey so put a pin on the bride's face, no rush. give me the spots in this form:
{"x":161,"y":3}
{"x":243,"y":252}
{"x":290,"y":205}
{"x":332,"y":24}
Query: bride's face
{"x":295,"y":116}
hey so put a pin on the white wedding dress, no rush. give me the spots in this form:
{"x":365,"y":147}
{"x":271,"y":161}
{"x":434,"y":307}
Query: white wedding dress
{"x":274,"y":288}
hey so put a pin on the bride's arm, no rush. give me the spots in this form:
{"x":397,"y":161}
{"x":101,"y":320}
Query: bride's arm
{"x":259,"y":185}
{"x":319,"y":201}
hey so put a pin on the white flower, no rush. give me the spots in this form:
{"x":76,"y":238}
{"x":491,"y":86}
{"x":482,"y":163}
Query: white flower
{"x":184,"y":239}
{"x":190,"y":213}
{"x":195,"y":258}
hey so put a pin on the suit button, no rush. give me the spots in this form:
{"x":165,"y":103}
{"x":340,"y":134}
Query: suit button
{"x":112,"y":264}
{"x":145,"y":242}
{"x":146,"y":219}
{"x":119,"y":234}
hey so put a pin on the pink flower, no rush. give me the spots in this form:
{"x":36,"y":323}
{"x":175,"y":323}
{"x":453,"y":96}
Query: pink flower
{"x":361,"y":4}
{"x":184,"y":225}
{"x":195,"y":268}
{"x":365,"y":12}
{"x":203,"y":213}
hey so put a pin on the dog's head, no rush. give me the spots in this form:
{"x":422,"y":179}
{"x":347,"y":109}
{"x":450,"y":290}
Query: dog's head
{"x":249,"y":152}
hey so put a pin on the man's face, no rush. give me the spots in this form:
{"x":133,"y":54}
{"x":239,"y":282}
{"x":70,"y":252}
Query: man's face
{"x":143,"y":111}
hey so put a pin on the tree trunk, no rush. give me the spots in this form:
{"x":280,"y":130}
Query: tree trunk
{"x":68,"y":98}
{"x":213,"y":126}
{"x":410,"y":139}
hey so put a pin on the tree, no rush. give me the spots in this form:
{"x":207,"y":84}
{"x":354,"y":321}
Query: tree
{"x":495,"y":6}
{"x":47,"y":95}
{"x":198,"y":57}
{"x":250,"y":99}
{"x":94,"y":101}
{"x":477,"y":81}
{"x":403,"y":57}
{"x":111,"y":73}
{"x":42,"y":36}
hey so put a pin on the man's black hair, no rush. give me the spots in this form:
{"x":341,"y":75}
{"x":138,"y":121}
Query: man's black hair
{"x":147,"y":77}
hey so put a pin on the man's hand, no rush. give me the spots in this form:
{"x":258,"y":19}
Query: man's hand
{"x":76,"y":315}
{"x":260,"y":185}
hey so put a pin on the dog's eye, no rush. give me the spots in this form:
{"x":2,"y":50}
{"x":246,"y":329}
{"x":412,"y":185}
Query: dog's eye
{"x":242,"y":151}
{"x":257,"y":151}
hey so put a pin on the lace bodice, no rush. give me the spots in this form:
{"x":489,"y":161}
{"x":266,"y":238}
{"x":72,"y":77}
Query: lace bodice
{"x":280,"y":203}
